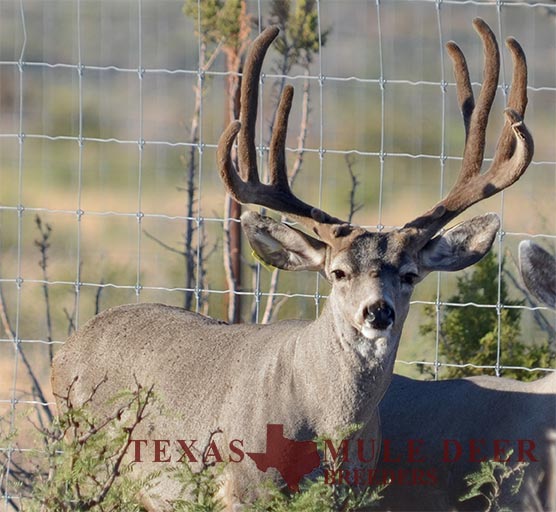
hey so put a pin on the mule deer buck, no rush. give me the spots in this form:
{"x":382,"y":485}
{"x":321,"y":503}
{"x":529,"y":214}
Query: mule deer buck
{"x":476,"y":413}
{"x":314,"y":378}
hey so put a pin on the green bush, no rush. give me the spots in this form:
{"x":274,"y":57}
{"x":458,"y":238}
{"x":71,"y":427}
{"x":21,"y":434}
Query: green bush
{"x":493,"y":480}
{"x":469,"y":334}
{"x":81,"y":465}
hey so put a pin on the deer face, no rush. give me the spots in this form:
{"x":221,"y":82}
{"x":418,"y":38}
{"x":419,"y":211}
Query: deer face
{"x":372,"y":280}
{"x":372,"y":274}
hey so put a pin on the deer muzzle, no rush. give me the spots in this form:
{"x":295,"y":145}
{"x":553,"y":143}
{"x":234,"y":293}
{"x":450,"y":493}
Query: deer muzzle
{"x":379,"y":316}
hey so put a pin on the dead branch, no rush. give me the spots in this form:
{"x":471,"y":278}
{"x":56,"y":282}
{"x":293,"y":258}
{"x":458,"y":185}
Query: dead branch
{"x":4,"y":317}
{"x":193,"y":257}
{"x":119,"y":456}
{"x":188,"y":253}
{"x":353,"y":206}
{"x":98,"y":296}
{"x":163,"y":244}
{"x":303,"y":127}
{"x":140,"y":396}
{"x":43,"y":243}
{"x":207,"y":447}
{"x":37,"y":391}
{"x":70,"y":317}
{"x":230,"y":259}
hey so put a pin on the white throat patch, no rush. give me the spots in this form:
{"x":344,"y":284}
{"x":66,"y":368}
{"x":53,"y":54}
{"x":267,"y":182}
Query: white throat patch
{"x":373,"y":343}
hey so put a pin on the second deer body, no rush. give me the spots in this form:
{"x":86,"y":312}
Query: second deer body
{"x":475,"y":413}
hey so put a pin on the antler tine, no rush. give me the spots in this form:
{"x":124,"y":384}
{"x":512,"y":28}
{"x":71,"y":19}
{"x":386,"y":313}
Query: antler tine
{"x":475,"y":144}
{"x":277,"y":152}
{"x":247,"y":154}
{"x":515,"y":145}
{"x":463,"y":84}
{"x":517,"y":101}
{"x":245,"y":186}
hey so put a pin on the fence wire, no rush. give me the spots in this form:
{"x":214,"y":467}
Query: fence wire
{"x":96,"y":101}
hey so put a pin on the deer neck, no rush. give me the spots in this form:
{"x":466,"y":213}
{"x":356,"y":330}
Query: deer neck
{"x":339,"y":369}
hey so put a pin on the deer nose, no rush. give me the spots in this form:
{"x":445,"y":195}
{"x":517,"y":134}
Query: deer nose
{"x":379,"y":315}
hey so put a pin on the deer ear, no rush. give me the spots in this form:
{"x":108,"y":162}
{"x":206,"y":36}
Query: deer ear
{"x":538,"y":270}
{"x":461,"y":246}
{"x":282,"y":246}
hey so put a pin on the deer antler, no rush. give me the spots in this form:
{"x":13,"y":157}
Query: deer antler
{"x":244,"y":184}
{"x":515,"y":146}
{"x":513,"y":153}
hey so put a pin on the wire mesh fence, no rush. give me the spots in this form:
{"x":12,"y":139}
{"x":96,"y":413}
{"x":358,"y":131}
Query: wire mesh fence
{"x":110,"y":114}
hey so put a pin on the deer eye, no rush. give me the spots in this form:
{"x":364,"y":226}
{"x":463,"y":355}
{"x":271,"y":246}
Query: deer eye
{"x":338,"y":274}
{"x":409,"y":278}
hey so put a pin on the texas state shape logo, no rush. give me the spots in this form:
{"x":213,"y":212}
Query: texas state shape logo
{"x":292,"y":459}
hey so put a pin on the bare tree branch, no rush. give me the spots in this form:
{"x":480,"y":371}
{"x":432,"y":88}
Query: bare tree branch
{"x":115,"y":472}
{"x":353,"y":207}
{"x":193,"y":256}
{"x":4,"y":317}
{"x":98,"y":296}
{"x":163,"y":244}
{"x":229,"y":253}
{"x":303,"y":127}
{"x":43,"y":244}
{"x":38,"y":393}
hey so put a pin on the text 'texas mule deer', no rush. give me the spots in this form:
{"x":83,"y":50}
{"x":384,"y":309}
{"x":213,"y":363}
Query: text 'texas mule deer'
{"x":314,"y":378}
